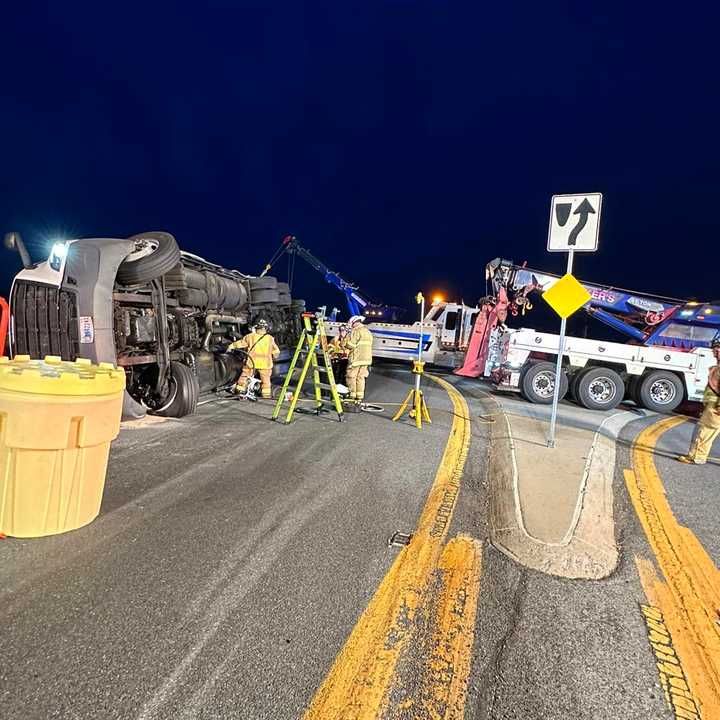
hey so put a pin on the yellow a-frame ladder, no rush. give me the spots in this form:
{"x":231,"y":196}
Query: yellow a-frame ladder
{"x":313,"y":342}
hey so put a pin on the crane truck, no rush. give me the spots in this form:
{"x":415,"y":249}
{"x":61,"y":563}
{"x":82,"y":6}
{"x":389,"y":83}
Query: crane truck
{"x":665,"y":361}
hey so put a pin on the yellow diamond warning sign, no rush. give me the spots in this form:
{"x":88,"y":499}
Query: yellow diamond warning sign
{"x":566,"y":296}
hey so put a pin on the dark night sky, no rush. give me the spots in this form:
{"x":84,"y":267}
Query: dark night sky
{"x":405,"y":143}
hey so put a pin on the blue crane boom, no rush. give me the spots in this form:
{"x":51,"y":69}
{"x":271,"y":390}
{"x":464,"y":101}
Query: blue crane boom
{"x":646,"y":319}
{"x":357,"y":302}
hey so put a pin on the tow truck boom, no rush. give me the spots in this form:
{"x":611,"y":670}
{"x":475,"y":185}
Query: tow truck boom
{"x":357,"y":303}
{"x":646,"y":319}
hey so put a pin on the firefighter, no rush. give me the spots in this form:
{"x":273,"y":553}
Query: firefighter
{"x":708,"y":426}
{"x":261,"y":348}
{"x":339,"y":355}
{"x":359,"y":347}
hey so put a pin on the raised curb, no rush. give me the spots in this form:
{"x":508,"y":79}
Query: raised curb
{"x":588,"y":549}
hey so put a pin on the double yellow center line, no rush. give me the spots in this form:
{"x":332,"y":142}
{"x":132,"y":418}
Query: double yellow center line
{"x":689,"y":597}
{"x":359,"y":682}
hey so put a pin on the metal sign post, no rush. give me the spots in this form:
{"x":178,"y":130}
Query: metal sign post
{"x":558,"y":367}
{"x":574,"y":227}
{"x":421,"y":299}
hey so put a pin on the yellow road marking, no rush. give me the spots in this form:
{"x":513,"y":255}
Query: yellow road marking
{"x":672,"y":677}
{"x":356,"y":687}
{"x":689,"y":598}
{"x":443,"y":685}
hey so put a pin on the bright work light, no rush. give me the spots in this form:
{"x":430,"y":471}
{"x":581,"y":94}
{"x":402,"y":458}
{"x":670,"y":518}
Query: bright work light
{"x":57,"y":255}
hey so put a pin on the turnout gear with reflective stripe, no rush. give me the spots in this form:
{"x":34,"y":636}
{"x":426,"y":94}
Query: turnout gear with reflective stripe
{"x":359,"y":345}
{"x":708,"y":426}
{"x":356,"y":377}
{"x":336,"y":347}
{"x":713,"y":386}
{"x":261,"y":349}
{"x":265,"y":384}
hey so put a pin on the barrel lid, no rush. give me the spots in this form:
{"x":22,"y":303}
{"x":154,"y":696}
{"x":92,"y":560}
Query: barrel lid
{"x":54,"y":376}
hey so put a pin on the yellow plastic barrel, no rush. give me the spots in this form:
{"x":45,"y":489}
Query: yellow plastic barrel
{"x":57,"y":420}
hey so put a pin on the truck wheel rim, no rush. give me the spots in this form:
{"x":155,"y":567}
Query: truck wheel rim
{"x":544,"y":384}
{"x":143,"y":248}
{"x":662,"y":392}
{"x":602,"y":390}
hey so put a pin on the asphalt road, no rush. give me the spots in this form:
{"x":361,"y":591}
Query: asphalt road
{"x":556,"y":649}
{"x":233,"y":557}
{"x":230,"y":562}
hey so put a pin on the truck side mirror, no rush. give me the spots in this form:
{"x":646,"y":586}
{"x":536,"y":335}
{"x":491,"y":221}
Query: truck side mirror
{"x":13,"y":241}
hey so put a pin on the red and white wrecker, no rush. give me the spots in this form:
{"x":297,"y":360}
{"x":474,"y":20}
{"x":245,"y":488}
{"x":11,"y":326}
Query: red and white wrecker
{"x":665,"y":361}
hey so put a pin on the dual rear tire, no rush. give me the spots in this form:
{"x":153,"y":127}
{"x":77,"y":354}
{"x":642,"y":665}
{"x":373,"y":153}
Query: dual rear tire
{"x":537,"y":383}
{"x":598,"y":388}
{"x":602,"y":388}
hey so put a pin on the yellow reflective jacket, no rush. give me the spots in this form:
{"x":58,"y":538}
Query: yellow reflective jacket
{"x":336,"y":346}
{"x":711,"y":399}
{"x":261,"y":348}
{"x":359,"y":345}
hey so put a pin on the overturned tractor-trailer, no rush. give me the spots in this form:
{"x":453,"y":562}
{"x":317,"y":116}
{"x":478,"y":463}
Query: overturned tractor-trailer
{"x":163,"y":315}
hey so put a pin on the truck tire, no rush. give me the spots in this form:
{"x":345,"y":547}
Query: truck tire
{"x":538,"y":383}
{"x":283,"y":288}
{"x":284,"y":300}
{"x":600,"y":388}
{"x":572,"y":385}
{"x":263,"y":283}
{"x":155,"y":254}
{"x":184,"y":389}
{"x":661,"y":391}
{"x":632,"y":391}
{"x":262,"y":297}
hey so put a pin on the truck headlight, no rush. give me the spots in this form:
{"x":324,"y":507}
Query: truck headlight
{"x":58,"y":253}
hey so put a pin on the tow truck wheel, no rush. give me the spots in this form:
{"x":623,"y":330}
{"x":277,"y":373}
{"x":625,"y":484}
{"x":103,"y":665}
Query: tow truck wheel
{"x":184,"y":391}
{"x":572,"y":386}
{"x":661,"y":391}
{"x":155,"y":254}
{"x":600,"y":388}
{"x":538,"y":383}
{"x":633,"y":389}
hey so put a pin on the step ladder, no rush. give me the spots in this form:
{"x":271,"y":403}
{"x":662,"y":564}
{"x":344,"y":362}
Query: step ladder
{"x":312,"y":343}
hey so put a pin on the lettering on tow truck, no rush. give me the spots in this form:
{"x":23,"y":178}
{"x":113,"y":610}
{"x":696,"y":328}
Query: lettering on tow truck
{"x":603,"y":296}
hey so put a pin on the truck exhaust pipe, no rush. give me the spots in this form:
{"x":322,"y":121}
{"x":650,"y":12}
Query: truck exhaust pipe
{"x":13,"y":241}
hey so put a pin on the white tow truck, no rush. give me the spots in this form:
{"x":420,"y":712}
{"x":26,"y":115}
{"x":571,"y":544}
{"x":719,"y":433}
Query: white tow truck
{"x":446,"y":331}
{"x":597,"y":374}
{"x":665,"y":362}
